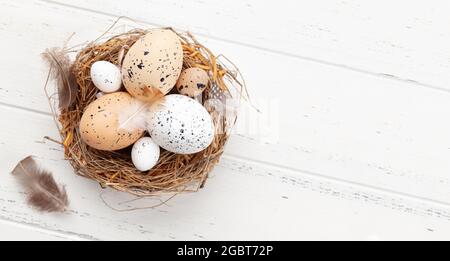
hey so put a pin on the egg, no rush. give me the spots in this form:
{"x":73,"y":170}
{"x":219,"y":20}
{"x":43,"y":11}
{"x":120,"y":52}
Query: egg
{"x":145,"y":154}
{"x":192,"y":81}
{"x":99,"y":124}
{"x":180,"y":124}
{"x":153,"y":64}
{"x":106,"y":76}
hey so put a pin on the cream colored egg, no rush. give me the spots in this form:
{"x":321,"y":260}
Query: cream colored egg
{"x":192,"y":82}
{"x":153,"y":63}
{"x":99,"y":94}
{"x":99,"y":125}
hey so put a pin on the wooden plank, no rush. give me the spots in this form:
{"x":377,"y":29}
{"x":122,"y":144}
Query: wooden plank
{"x":330,"y":121}
{"x":403,"y":39}
{"x":12,"y":231}
{"x":242,"y":200}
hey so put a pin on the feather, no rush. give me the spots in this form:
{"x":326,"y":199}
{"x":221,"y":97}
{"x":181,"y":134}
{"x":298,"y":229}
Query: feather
{"x":61,"y":70}
{"x":43,"y":192}
{"x":134,"y":116}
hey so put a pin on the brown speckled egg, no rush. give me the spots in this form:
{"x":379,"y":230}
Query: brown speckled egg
{"x":192,"y":82}
{"x":154,"y":61}
{"x":99,"y":125}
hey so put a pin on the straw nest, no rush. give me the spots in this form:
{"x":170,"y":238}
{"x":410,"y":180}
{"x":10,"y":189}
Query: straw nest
{"x":173,"y":173}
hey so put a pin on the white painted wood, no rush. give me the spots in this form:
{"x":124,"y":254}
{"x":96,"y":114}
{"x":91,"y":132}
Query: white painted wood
{"x":242,"y":201}
{"x":13,"y":231}
{"x":403,"y":39}
{"x":348,"y":126}
{"x":353,"y":159}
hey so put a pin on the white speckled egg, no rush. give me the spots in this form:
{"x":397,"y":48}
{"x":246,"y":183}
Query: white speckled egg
{"x":106,"y":76}
{"x":192,"y":81}
{"x":145,"y":154}
{"x":181,"y":125}
{"x":153,"y":62}
{"x":99,"y":124}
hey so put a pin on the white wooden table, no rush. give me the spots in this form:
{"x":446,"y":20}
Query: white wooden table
{"x":353,"y":141}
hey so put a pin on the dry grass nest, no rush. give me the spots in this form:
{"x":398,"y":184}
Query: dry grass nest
{"x":173,"y":173}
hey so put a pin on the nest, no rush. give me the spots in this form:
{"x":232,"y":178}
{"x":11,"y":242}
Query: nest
{"x":173,"y":173}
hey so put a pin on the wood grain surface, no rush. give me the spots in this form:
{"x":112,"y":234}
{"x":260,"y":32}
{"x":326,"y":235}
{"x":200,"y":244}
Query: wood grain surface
{"x":352,"y":141}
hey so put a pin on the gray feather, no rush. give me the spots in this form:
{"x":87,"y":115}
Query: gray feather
{"x":61,"y":70}
{"x":43,"y":192}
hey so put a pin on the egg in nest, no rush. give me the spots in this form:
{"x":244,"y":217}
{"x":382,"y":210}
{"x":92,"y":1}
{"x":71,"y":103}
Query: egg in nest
{"x":192,"y":81}
{"x":181,"y":125}
{"x":99,"y":124}
{"x":152,"y":64}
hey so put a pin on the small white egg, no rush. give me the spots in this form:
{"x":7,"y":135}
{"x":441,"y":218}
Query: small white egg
{"x":145,"y":154}
{"x":106,"y":76}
